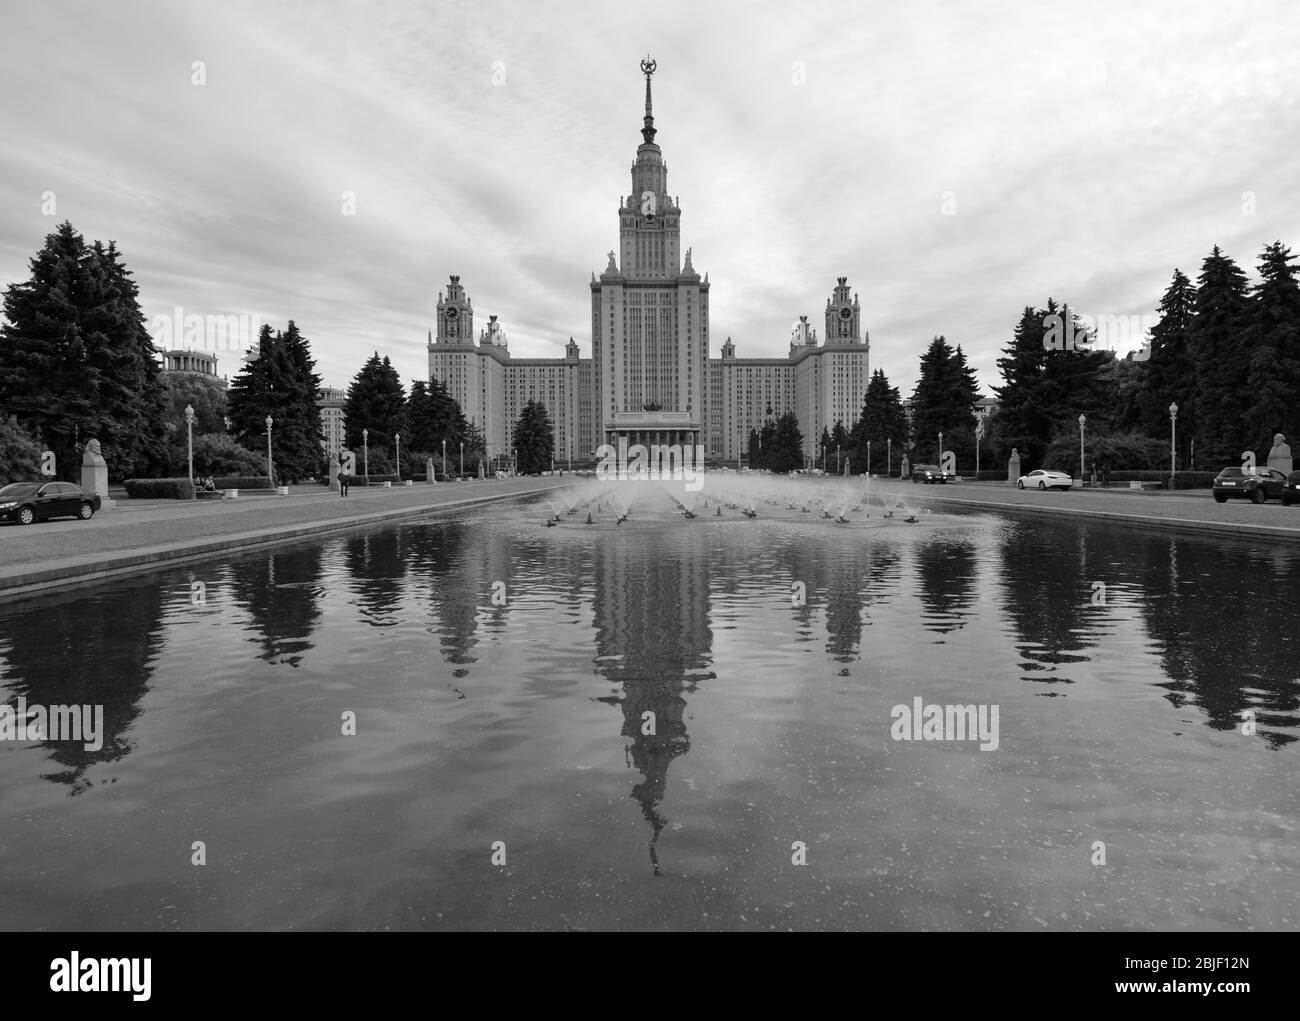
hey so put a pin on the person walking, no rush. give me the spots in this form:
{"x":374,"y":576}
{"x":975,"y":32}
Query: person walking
{"x":1094,"y":474}
{"x":343,"y":483}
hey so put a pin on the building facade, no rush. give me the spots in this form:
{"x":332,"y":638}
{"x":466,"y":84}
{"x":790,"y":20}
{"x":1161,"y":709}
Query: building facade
{"x":331,"y":402}
{"x":650,"y":378}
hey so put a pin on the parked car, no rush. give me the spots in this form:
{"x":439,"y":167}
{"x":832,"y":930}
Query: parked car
{"x":1039,"y":478}
{"x":1255,"y":484}
{"x":26,"y":502}
{"x":928,"y":473}
{"x":1291,"y":489}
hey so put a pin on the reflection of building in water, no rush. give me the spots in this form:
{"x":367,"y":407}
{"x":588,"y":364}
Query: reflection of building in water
{"x":653,"y":639}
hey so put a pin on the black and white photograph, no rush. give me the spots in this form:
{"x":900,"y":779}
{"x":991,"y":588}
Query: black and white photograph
{"x":422,"y":512}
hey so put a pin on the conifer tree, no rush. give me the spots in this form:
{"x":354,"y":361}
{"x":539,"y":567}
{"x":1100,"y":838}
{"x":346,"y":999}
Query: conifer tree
{"x":376,"y":401}
{"x":1217,"y":341}
{"x":1273,"y":338}
{"x":76,"y":361}
{"x":534,"y":439}
{"x":882,"y":419}
{"x":1171,"y":371}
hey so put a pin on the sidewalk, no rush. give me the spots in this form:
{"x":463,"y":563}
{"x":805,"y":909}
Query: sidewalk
{"x":1182,"y":510}
{"x":134,"y":536}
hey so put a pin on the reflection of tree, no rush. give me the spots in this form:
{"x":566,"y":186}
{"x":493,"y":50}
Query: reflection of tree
{"x":653,"y":639}
{"x":376,"y":565}
{"x":1044,"y":598}
{"x":946,"y":569}
{"x":78,"y":650}
{"x":446,"y":559}
{"x":281,"y":592}
{"x":1216,"y":615}
{"x":848,"y":577}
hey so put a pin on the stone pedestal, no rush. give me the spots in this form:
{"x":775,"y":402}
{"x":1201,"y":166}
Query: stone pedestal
{"x":1280,"y":456}
{"x":94,"y":473}
{"x":1013,"y":468}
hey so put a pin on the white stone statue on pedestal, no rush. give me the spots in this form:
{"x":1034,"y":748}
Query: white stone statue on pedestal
{"x":1280,"y":456}
{"x":94,"y":473}
{"x":1013,"y":467}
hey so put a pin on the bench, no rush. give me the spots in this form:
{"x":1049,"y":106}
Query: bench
{"x":1146,"y":485}
{"x":209,"y":494}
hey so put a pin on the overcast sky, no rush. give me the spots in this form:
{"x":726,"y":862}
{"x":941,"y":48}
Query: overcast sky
{"x":955,"y":161}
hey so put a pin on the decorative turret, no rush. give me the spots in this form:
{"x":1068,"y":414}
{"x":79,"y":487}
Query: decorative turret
{"x":843,"y":315}
{"x":455,"y":315}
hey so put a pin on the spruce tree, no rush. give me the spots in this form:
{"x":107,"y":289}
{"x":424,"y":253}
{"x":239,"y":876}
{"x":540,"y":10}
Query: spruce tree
{"x":1171,"y":371}
{"x":1217,"y":341}
{"x":1023,"y":421}
{"x":376,"y":401}
{"x":534,"y":439}
{"x":1273,"y":338}
{"x":298,"y":424}
{"x":945,"y":397}
{"x":882,"y":419}
{"x":76,"y":361}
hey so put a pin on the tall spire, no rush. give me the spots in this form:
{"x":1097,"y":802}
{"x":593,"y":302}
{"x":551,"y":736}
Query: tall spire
{"x":648,"y":132}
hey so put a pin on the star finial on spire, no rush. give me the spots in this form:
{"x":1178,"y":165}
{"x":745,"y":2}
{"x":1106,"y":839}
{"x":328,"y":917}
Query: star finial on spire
{"x":648,"y":132}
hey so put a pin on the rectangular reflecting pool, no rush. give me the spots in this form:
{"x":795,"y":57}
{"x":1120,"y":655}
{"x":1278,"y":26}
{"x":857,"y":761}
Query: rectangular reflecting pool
{"x":479,"y":722}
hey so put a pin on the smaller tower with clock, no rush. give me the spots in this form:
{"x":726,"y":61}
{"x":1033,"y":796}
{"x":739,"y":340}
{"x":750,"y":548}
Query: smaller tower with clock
{"x":843,"y":315}
{"x":455,"y":315}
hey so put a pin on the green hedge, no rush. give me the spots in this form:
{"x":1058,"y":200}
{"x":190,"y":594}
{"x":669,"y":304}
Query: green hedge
{"x":243,"y":482}
{"x":1182,"y":480}
{"x":159,"y":489}
{"x":379,"y":480}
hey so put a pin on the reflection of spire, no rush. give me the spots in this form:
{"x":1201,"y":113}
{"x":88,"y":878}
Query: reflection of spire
{"x":648,"y":132}
{"x":652,"y":639}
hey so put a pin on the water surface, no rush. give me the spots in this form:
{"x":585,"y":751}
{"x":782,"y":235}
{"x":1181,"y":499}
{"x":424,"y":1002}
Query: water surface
{"x":524,"y":721}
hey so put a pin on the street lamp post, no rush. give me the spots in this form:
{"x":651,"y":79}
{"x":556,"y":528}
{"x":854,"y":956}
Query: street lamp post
{"x":397,"y":439}
{"x":837,"y":459}
{"x":365,"y":447}
{"x":868,"y":459}
{"x":979,"y":435}
{"x":1082,"y":420}
{"x":270,"y":467}
{"x":1173,"y":449}
{"x":941,"y":452}
{"x":444,"y":459}
{"x":189,"y":431}
{"x":889,"y":456}
{"x":462,"y":462}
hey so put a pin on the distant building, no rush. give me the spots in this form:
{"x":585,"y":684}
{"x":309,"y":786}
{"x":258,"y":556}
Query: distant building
{"x":984,"y":407}
{"x":331,"y":402}
{"x":199,"y":363}
{"x":650,"y":378}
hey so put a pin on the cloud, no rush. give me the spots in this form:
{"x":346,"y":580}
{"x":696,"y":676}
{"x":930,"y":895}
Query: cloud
{"x":1088,"y":152}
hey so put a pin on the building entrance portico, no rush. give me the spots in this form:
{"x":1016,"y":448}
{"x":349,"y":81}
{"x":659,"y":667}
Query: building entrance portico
{"x":648,"y":428}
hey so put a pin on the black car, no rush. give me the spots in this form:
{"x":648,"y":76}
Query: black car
{"x":26,"y":502}
{"x":928,"y":473}
{"x":1291,"y":489}
{"x":1255,"y":484}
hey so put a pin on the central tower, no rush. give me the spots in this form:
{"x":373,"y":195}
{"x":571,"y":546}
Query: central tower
{"x":649,"y":312}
